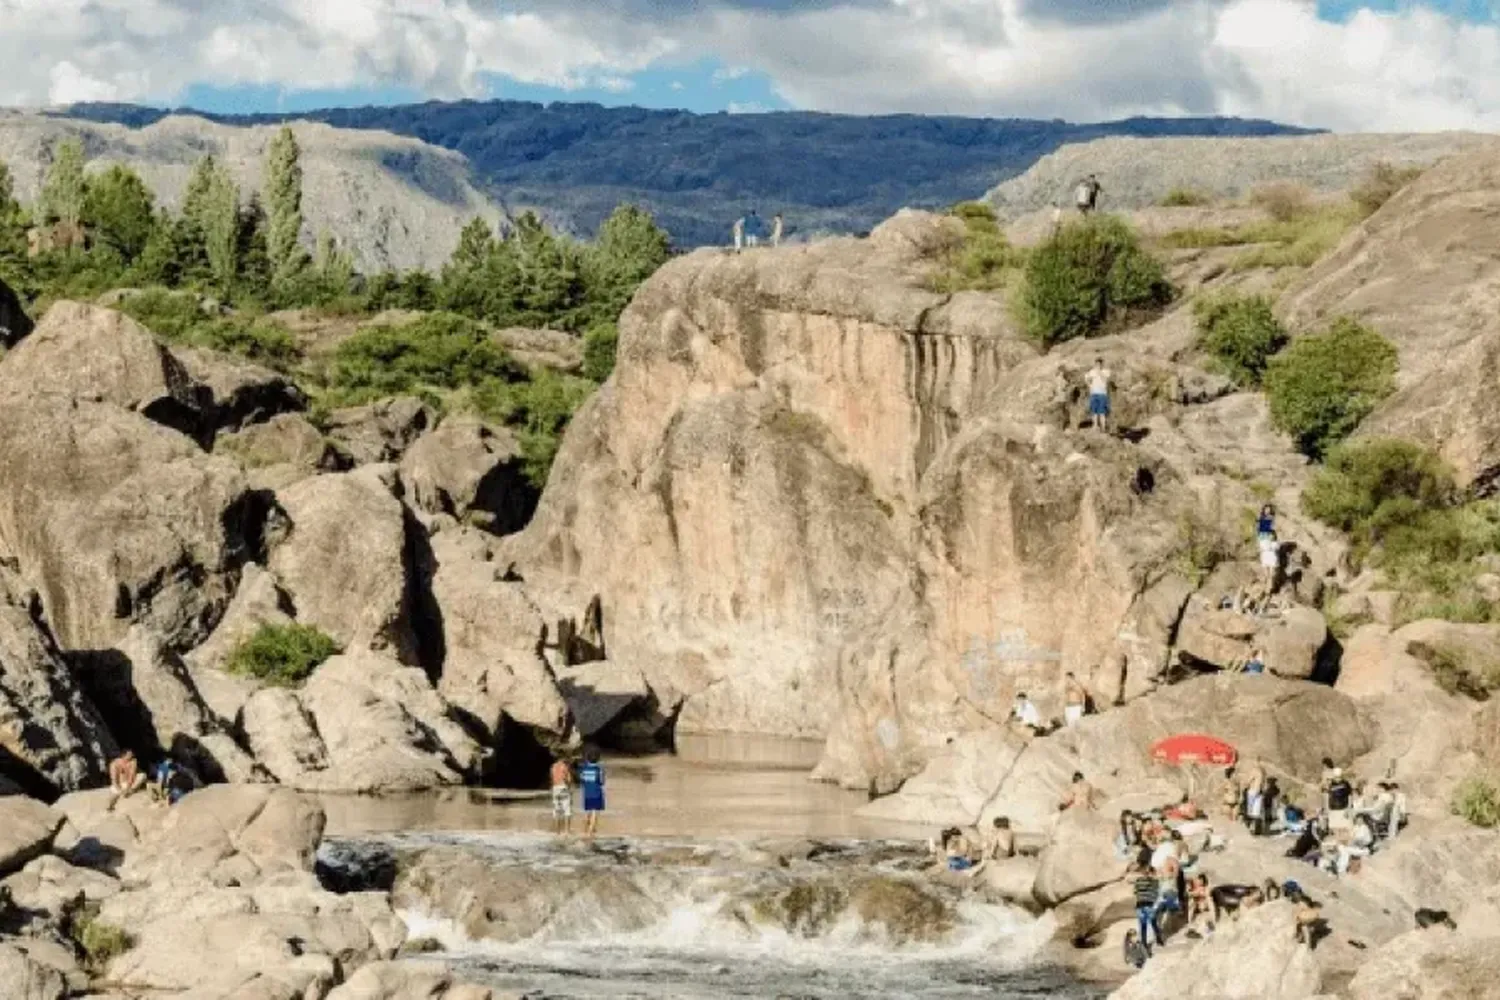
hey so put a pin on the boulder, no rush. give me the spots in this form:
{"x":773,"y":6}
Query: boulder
{"x":49,"y":730}
{"x":115,"y":519}
{"x":48,"y":883}
{"x":14,"y":323}
{"x":407,"y":981}
{"x":1290,"y":641}
{"x":493,"y":669}
{"x":1463,"y":657}
{"x":384,"y":727}
{"x":380,"y":432}
{"x":599,"y":692}
{"x":84,"y":352}
{"x":955,"y":785}
{"x":1080,"y":856}
{"x":281,"y":451}
{"x":24,"y":977}
{"x":1423,"y":272}
{"x":240,"y":393}
{"x":284,"y":737}
{"x":1436,"y":862}
{"x":26,"y":831}
{"x":1433,"y":964}
{"x":148,"y":694}
{"x":100,"y":831}
{"x":258,"y":601}
{"x":1253,"y":958}
{"x":230,"y":835}
{"x":344,"y":561}
{"x":465,"y":466}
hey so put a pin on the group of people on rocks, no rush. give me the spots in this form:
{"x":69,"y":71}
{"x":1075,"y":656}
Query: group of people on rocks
{"x":1077,"y":702}
{"x":168,"y":783}
{"x":749,"y":230}
{"x":956,"y":851}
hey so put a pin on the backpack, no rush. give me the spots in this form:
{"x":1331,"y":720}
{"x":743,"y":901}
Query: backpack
{"x":1338,"y":795}
{"x":1083,"y":195}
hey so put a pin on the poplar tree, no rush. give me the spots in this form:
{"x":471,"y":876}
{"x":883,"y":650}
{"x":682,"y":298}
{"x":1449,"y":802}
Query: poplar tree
{"x":211,"y":217}
{"x":284,"y":208}
{"x":64,"y":189}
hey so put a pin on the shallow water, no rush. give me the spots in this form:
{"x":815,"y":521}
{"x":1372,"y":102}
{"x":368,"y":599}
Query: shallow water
{"x":671,"y":900}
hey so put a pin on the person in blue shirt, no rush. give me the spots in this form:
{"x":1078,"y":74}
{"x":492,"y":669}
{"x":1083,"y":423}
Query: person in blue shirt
{"x":1256,"y":664}
{"x":754,"y":229}
{"x":591,"y":779}
{"x":1265,"y":524}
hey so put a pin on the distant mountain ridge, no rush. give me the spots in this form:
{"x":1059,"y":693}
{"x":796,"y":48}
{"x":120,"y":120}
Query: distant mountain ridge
{"x":697,"y":173}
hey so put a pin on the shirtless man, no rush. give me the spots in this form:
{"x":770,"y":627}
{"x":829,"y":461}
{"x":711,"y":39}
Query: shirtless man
{"x":1080,"y":794}
{"x":1075,"y":700}
{"x":562,"y":797}
{"x":125,"y":777}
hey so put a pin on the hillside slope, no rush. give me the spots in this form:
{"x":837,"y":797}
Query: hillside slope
{"x":396,"y":202}
{"x":1139,"y":172}
{"x":697,"y":173}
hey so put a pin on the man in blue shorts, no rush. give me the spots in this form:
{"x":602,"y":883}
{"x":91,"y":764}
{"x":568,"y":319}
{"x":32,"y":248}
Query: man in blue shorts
{"x":591,"y":778}
{"x":1098,"y":379}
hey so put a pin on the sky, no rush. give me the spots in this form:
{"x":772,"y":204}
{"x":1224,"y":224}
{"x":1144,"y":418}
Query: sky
{"x":1348,"y":65}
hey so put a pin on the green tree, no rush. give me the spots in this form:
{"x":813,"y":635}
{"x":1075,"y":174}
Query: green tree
{"x":252,"y":249}
{"x":1089,"y":275}
{"x":211,"y":217}
{"x":1240,"y":333}
{"x":630,"y":246}
{"x":551,"y":287}
{"x":333,"y":269}
{"x":120,"y":210}
{"x":160,"y":260}
{"x":64,"y":189}
{"x":284,"y":218}
{"x":599,"y":347}
{"x":464,"y":285}
{"x":12,"y":220}
{"x":1369,"y":486}
{"x":1324,"y":384}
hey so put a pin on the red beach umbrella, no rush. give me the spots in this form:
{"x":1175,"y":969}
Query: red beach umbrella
{"x":1193,"y":748}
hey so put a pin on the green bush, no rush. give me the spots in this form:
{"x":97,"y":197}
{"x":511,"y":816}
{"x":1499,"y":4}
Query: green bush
{"x":1380,"y":185}
{"x":99,"y":941}
{"x":1089,"y":276}
{"x":1324,"y":384}
{"x":1369,"y":486}
{"x":541,"y":408}
{"x":1180,"y":197}
{"x":440,"y":350}
{"x":179,"y":318}
{"x":284,"y":655}
{"x":1240,"y":333}
{"x":599,"y":351}
{"x":1477,"y":799}
{"x":983,"y":261}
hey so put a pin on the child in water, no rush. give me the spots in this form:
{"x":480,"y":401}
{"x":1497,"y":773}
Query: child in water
{"x":591,"y":778}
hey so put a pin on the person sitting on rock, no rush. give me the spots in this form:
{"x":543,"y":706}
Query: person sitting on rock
{"x":1026,"y":714}
{"x":125,"y":777}
{"x":1256,"y":664}
{"x":1000,"y":842}
{"x":1075,"y":700}
{"x":1128,"y":840}
{"x":1080,"y":794}
{"x":1309,"y":927}
{"x":1200,"y":904}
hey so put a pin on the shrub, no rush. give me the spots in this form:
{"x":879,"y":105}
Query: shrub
{"x":1282,"y":200}
{"x":441,"y":350}
{"x":1368,"y":486}
{"x":1180,"y":197}
{"x":541,"y":408}
{"x":1240,"y":333}
{"x":1089,"y":275}
{"x":1380,"y":184}
{"x":284,"y":655}
{"x":1323,"y":385}
{"x":983,"y":260}
{"x":180,"y":318}
{"x":100,"y":942}
{"x":599,"y":351}
{"x":1477,"y":799}
{"x":1297,"y":242}
{"x":1458,"y":672}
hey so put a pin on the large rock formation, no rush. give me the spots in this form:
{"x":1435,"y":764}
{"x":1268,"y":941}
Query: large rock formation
{"x":861,"y":510}
{"x":1424,"y":271}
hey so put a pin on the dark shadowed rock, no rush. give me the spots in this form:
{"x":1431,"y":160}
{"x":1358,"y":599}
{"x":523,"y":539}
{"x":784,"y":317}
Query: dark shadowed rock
{"x":380,"y":432}
{"x":14,"y":323}
{"x":468,"y":466}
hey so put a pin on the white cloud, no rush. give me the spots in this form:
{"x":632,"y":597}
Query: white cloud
{"x":1410,"y":69}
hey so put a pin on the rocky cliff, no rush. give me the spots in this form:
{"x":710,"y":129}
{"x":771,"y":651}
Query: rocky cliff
{"x":396,"y":202}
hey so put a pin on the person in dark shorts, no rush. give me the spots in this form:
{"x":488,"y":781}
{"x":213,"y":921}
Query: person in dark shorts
{"x":591,"y":780}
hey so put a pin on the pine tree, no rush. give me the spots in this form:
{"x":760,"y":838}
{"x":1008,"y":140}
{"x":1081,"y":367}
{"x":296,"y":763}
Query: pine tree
{"x":12,"y":219}
{"x":252,"y":247}
{"x":284,"y":208}
{"x":64,"y":189}
{"x":333,"y":267}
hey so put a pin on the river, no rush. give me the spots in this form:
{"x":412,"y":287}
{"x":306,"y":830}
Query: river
{"x":720,"y":872}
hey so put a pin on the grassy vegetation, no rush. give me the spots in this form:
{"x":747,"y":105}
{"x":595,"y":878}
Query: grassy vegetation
{"x":1403,"y":514}
{"x":283,"y":655}
{"x":1181,"y":197}
{"x":1460,"y":672}
{"x":179,"y":317}
{"x":1380,"y":184}
{"x":1088,"y":279}
{"x":1477,"y":799}
{"x":100,"y":942}
{"x":1240,"y":333}
{"x":983,"y":260}
{"x":1296,"y":232}
{"x":1324,"y":384}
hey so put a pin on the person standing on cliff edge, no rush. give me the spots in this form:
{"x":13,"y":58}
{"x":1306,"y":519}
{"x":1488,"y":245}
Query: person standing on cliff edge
{"x":591,"y":778}
{"x":562,"y":797}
